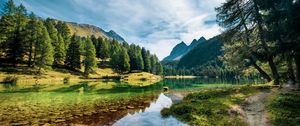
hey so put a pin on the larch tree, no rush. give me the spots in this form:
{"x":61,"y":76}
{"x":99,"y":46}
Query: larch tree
{"x":60,"y":53}
{"x":89,"y":57}
{"x":146,"y":59}
{"x":73,"y":53}
{"x":43,"y":49}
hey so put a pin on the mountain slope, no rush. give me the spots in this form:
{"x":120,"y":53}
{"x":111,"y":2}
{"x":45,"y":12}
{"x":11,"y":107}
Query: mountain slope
{"x":203,"y":53}
{"x":182,"y":49}
{"x":89,"y":30}
{"x":178,"y":51}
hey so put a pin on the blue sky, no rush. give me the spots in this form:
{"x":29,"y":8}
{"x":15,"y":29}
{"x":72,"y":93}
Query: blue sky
{"x":157,"y":25}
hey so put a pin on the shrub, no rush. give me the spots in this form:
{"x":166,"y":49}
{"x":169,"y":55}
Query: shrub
{"x":66,"y":80}
{"x":10,"y":79}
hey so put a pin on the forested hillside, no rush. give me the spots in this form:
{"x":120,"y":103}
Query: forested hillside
{"x":202,"y":60}
{"x":182,"y":49}
{"x":26,"y":40}
{"x":201,"y":54}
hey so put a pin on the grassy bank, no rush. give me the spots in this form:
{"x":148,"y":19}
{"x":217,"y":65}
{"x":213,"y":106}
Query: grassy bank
{"x":213,"y":107}
{"x":284,"y":108}
{"x":58,"y":76}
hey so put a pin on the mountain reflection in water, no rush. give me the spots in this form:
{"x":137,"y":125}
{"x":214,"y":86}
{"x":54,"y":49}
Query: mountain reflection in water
{"x":151,"y":116}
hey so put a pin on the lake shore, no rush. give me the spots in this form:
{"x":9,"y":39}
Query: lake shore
{"x":183,"y":77}
{"x":236,"y":106}
{"x":59,"y":76}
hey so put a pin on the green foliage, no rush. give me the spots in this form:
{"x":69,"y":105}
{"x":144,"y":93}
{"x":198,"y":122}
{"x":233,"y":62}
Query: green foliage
{"x":102,"y":48}
{"x":63,"y":29}
{"x":201,"y":54}
{"x":31,"y":35}
{"x":73,"y":53}
{"x":136,"y":59}
{"x":60,"y":53}
{"x":284,"y":109}
{"x":90,"y":57}
{"x":120,"y":61}
{"x":146,"y":58}
{"x":9,"y":8}
{"x":43,"y":49}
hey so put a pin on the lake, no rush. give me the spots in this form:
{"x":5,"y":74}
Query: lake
{"x":103,"y":102}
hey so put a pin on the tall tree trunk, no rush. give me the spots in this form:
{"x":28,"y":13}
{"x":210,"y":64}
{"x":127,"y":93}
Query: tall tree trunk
{"x":274,"y":71}
{"x":261,"y":33}
{"x":261,"y":71}
{"x":290,"y":71}
{"x":30,"y":55}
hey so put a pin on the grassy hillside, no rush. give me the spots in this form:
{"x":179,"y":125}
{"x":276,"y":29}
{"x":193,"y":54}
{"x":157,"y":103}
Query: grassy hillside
{"x":86,"y":30}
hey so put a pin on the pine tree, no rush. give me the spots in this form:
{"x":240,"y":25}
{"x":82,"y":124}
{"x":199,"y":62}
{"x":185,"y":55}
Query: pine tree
{"x":9,"y":8}
{"x":43,"y":49}
{"x":60,"y":53}
{"x":64,"y":31}
{"x":146,"y":58}
{"x":102,"y":49}
{"x":120,"y":61}
{"x":159,"y":69}
{"x":153,"y":62}
{"x":73,"y":53}
{"x":136,"y":59}
{"x":50,"y":25}
{"x":12,"y":32}
{"x":32,"y":32}
{"x":124,"y":60}
{"x":90,"y":57}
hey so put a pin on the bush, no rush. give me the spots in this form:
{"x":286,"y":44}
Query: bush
{"x":66,"y":80}
{"x":10,"y":79}
{"x":165,"y":112}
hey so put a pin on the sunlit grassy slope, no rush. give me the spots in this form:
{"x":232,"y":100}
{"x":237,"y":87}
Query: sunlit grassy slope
{"x":86,"y":30}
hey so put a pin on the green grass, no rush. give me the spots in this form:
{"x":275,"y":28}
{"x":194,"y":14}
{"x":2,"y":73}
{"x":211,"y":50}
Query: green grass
{"x":284,"y":109}
{"x":211,"y":107}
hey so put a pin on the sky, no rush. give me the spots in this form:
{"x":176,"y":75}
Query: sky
{"x":157,"y":25}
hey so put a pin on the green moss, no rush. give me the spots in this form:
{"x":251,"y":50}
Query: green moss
{"x":210,"y":107}
{"x":284,"y":109}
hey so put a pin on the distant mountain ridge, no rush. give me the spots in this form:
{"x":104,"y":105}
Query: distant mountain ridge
{"x":182,"y":49}
{"x":89,"y":30}
{"x":202,"y":54}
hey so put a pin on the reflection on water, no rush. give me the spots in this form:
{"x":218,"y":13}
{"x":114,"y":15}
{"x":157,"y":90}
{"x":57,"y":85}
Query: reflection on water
{"x":151,"y":116}
{"x":95,"y":103}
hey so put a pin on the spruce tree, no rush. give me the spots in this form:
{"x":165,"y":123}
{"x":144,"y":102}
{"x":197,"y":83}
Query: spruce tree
{"x":12,"y":32}
{"x":50,"y":25}
{"x":32,"y":32}
{"x":102,"y":49}
{"x":9,"y":8}
{"x":73,"y":53}
{"x":120,"y":61}
{"x":64,"y":31}
{"x":146,"y":58}
{"x":43,"y":49}
{"x":124,"y":60}
{"x":90,"y":57}
{"x":60,"y":53}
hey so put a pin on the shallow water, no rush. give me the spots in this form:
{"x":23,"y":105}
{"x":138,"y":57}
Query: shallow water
{"x":151,"y":115}
{"x":104,"y":102}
